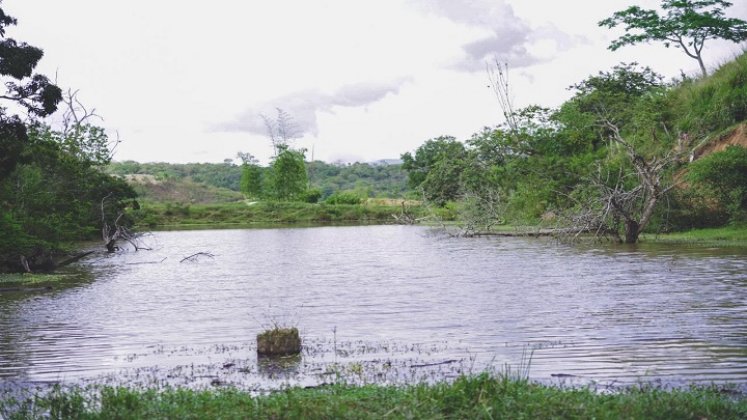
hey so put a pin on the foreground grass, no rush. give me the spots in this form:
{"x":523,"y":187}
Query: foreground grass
{"x":477,"y":397}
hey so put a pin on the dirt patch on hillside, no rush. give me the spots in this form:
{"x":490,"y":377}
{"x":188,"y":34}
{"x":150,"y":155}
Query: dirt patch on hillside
{"x":392,"y":202}
{"x":737,"y":137}
{"x":141,"y":179}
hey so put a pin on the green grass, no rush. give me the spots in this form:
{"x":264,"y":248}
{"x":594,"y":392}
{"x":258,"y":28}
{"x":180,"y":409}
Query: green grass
{"x":733,"y":235}
{"x":712,"y":104}
{"x":246,"y":213}
{"x":15,"y":280}
{"x":476,"y":397}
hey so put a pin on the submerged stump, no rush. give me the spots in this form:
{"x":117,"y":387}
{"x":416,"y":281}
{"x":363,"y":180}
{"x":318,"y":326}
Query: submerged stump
{"x":279,"y":342}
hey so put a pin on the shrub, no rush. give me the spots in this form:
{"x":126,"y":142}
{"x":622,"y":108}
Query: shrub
{"x":343,"y":197}
{"x":723,"y":177}
{"x":279,"y":342}
{"x":312,"y":195}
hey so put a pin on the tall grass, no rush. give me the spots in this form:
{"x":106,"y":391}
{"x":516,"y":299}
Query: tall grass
{"x":710,"y":105}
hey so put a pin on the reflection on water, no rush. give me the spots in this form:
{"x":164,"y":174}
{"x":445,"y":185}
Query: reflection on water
{"x":418,"y":300}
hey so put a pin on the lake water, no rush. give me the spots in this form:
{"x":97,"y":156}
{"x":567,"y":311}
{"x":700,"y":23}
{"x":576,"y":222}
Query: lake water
{"x":383,"y":304}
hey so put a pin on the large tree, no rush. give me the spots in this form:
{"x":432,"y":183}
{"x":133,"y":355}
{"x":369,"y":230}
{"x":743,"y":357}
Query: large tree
{"x":33,"y":92}
{"x":52,"y":189}
{"x":435,"y":168}
{"x":687,"y":24}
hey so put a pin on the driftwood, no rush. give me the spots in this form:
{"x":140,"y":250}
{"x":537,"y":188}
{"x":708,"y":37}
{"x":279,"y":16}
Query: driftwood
{"x":74,"y":258}
{"x":45,"y":262}
{"x":194,"y":256}
{"x":446,"y":362}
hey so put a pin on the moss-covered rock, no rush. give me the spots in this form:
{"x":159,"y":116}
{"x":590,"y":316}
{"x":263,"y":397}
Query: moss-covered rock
{"x":279,"y":342}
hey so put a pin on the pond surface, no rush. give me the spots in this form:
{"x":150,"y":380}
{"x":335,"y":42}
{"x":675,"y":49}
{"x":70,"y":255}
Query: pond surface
{"x":383,"y":304}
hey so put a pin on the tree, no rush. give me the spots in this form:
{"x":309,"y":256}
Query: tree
{"x":635,"y":206}
{"x":622,"y":114}
{"x":33,"y":92}
{"x":688,"y":24}
{"x":288,"y":179}
{"x":251,"y":176}
{"x":435,"y":168}
{"x":52,"y":189}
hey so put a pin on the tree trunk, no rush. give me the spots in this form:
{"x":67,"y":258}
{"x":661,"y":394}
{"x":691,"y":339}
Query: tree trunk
{"x":632,"y":230}
{"x":702,"y":66}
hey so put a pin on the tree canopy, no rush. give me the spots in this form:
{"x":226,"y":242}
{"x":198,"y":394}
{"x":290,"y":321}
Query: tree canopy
{"x":687,"y":25}
{"x":33,"y":92}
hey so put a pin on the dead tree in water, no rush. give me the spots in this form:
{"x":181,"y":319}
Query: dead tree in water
{"x":632,"y":207}
{"x":110,"y":234}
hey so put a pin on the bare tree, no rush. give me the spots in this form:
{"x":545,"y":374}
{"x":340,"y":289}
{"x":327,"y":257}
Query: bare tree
{"x":111,"y":233}
{"x":281,"y":130}
{"x":75,"y":113}
{"x":498,"y":79}
{"x":631,"y":208}
{"x":79,"y":132}
{"x":480,"y":210}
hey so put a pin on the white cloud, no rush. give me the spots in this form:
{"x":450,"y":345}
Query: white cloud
{"x":304,"y":107}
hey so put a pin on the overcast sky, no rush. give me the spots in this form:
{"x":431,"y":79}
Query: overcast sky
{"x":186,"y":81}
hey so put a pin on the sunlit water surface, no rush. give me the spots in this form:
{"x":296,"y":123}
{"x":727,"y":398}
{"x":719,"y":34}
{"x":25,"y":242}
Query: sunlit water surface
{"x":383,"y":304}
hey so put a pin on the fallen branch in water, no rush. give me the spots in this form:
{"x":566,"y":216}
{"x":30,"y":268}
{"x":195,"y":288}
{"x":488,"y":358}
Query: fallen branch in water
{"x":148,"y":262}
{"x":193,"y":257}
{"x":435,"y":364}
{"x":74,"y":258}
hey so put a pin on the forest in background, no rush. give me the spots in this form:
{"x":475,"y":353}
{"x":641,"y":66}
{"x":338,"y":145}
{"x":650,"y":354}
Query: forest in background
{"x":221,"y":182}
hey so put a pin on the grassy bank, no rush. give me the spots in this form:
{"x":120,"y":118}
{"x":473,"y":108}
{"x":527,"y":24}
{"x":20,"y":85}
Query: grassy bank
{"x":30,"y":280}
{"x":478,"y":397}
{"x":244,"y":212}
{"x":734,"y":235}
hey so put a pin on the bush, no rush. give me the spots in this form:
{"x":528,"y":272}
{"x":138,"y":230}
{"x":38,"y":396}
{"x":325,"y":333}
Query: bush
{"x":344,"y":197}
{"x":722,"y":176}
{"x":312,"y":195}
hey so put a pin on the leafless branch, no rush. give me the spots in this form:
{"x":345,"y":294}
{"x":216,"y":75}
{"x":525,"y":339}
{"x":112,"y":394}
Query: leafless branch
{"x":76,"y":114}
{"x":498,"y":78}
{"x":632,"y":206}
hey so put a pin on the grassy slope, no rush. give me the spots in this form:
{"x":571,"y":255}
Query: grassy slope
{"x":477,"y":397}
{"x":150,"y":189}
{"x":705,"y":108}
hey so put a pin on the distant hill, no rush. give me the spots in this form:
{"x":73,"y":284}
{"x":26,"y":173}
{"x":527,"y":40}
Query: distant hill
{"x":183,"y":190}
{"x":219,"y":182}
